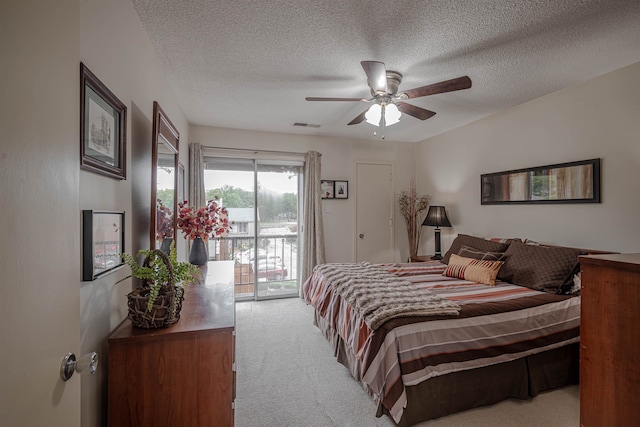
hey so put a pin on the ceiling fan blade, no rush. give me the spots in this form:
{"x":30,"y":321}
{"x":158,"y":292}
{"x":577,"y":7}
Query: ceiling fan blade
{"x":312,"y":98}
{"x":376,"y":74}
{"x":442,"y":87}
{"x":358,"y":119}
{"x":417,"y":112}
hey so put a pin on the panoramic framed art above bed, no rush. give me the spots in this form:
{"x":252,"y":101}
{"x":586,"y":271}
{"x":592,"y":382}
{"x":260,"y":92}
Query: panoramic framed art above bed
{"x":572,"y":182}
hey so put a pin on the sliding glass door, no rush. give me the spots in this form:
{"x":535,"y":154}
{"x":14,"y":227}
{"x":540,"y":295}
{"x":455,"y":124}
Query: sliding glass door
{"x":262,"y":197}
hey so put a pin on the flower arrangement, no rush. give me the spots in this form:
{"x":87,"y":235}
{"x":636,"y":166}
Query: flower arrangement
{"x":413,"y":207}
{"x":209,"y":221}
{"x":164,"y":221}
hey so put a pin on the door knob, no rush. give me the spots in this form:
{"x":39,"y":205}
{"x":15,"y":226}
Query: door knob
{"x":87,"y":363}
{"x":361,"y":236}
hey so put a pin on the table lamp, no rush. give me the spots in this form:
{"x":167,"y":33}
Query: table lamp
{"x":437,"y":217}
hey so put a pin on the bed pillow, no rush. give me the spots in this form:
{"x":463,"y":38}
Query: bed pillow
{"x":543,"y":268}
{"x":474,"y":270}
{"x":474,"y":242}
{"x":469,"y":252}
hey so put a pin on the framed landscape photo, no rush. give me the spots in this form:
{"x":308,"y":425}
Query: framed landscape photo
{"x":102,"y":242}
{"x":341,"y":189}
{"x":326,"y":187}
{"x":103,"y":128}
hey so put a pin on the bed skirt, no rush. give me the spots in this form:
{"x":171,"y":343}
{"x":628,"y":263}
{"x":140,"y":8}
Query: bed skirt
{"x":458,"y":391}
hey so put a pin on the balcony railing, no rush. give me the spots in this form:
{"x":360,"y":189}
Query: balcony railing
{"x":276,"y":267}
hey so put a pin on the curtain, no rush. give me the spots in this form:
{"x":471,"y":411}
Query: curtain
{"x":197,"y":196}
{"x":313,"y":231}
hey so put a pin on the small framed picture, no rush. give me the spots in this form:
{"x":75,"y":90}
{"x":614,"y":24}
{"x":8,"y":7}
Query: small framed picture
{"x":327,"y":189}
{"x":341,"y":189}
{"x":102,"y":242}
{"x":103,"y":129}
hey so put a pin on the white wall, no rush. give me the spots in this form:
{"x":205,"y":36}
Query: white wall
{"x":338,"y":157}
{"x":116,"y":49}
{"x":598,"y":118}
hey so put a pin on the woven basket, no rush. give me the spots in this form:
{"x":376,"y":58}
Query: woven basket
{"x":166,"y":308}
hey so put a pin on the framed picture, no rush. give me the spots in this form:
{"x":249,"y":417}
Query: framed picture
{"x":341,"y":189}
{"x":573,"y":182}
{"x":327,"y":189}
{"x":103,"y":128}
{"x":102,"y":242}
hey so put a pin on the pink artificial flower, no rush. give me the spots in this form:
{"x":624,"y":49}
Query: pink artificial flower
{"x":210,"y":220}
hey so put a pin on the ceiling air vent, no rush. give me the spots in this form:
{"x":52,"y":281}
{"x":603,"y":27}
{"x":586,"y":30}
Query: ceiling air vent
{"x":305,"y":125}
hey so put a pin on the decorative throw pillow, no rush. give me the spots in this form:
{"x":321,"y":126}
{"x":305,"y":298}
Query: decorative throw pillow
{"x":475,"y":242}
{"x":475,"y":270}
{"x":543,"y":268}
{"x":469,"y":252}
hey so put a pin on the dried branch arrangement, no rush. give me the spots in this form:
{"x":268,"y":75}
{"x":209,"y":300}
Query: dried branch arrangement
{"x":414,"y":208}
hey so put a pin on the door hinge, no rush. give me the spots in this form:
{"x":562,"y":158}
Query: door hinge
{"x":233,"y":367}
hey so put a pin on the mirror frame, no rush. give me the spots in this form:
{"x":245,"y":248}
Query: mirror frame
{"x":164,"y":132}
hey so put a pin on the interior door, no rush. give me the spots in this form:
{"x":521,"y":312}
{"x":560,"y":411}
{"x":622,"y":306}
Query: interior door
{"x":40,"y":290}
{"x":374,"y":212}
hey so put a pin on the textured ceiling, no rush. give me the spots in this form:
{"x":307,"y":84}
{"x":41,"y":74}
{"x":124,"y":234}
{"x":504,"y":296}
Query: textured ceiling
{"x":250,"y":64}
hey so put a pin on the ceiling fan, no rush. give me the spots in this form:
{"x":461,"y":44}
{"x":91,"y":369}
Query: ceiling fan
{"x":388,"y":103}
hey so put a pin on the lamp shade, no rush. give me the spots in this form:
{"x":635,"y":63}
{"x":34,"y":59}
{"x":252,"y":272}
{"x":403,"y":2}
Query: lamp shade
{"x":388,"y":112}
{"x":436,"y":217}
{"x":374,"y":114}
{"x":391,"y":115}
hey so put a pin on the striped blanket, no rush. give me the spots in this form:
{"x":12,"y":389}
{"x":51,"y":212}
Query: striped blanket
{"x":496,"y":324}
{"x":379,"y":296}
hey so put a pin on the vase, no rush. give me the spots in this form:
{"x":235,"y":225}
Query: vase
{"x":165,"y":247}
{"x":198,"y":254}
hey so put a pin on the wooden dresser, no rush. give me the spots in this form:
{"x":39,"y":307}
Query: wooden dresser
{"x":610,"y":340}
{"x":183,"y":375}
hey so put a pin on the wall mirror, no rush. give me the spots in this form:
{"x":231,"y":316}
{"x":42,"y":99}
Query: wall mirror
{"x":574,"y":182}
{"x":164,"y":180}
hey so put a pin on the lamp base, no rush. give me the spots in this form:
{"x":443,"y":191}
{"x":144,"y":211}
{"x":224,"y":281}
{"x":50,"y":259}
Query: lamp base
{"x":438,"y":254}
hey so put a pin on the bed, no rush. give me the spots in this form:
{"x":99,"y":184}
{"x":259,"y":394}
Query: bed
{"x":480,"y":339}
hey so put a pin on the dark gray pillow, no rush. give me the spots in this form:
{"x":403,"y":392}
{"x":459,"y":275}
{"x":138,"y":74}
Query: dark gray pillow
{"x":474,"y":242}
{"x":543,"y":268}
{"x":469,"y":252}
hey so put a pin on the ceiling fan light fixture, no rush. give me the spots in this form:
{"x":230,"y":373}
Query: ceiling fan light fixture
{"x":391,"y":114}
{"x":374,"y":114}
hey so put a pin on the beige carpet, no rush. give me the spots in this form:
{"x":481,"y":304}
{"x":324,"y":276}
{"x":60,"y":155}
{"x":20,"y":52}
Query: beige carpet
{"x":287,"y":376}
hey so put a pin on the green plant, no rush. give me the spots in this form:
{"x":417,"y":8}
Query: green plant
{"x":157,"y":275}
